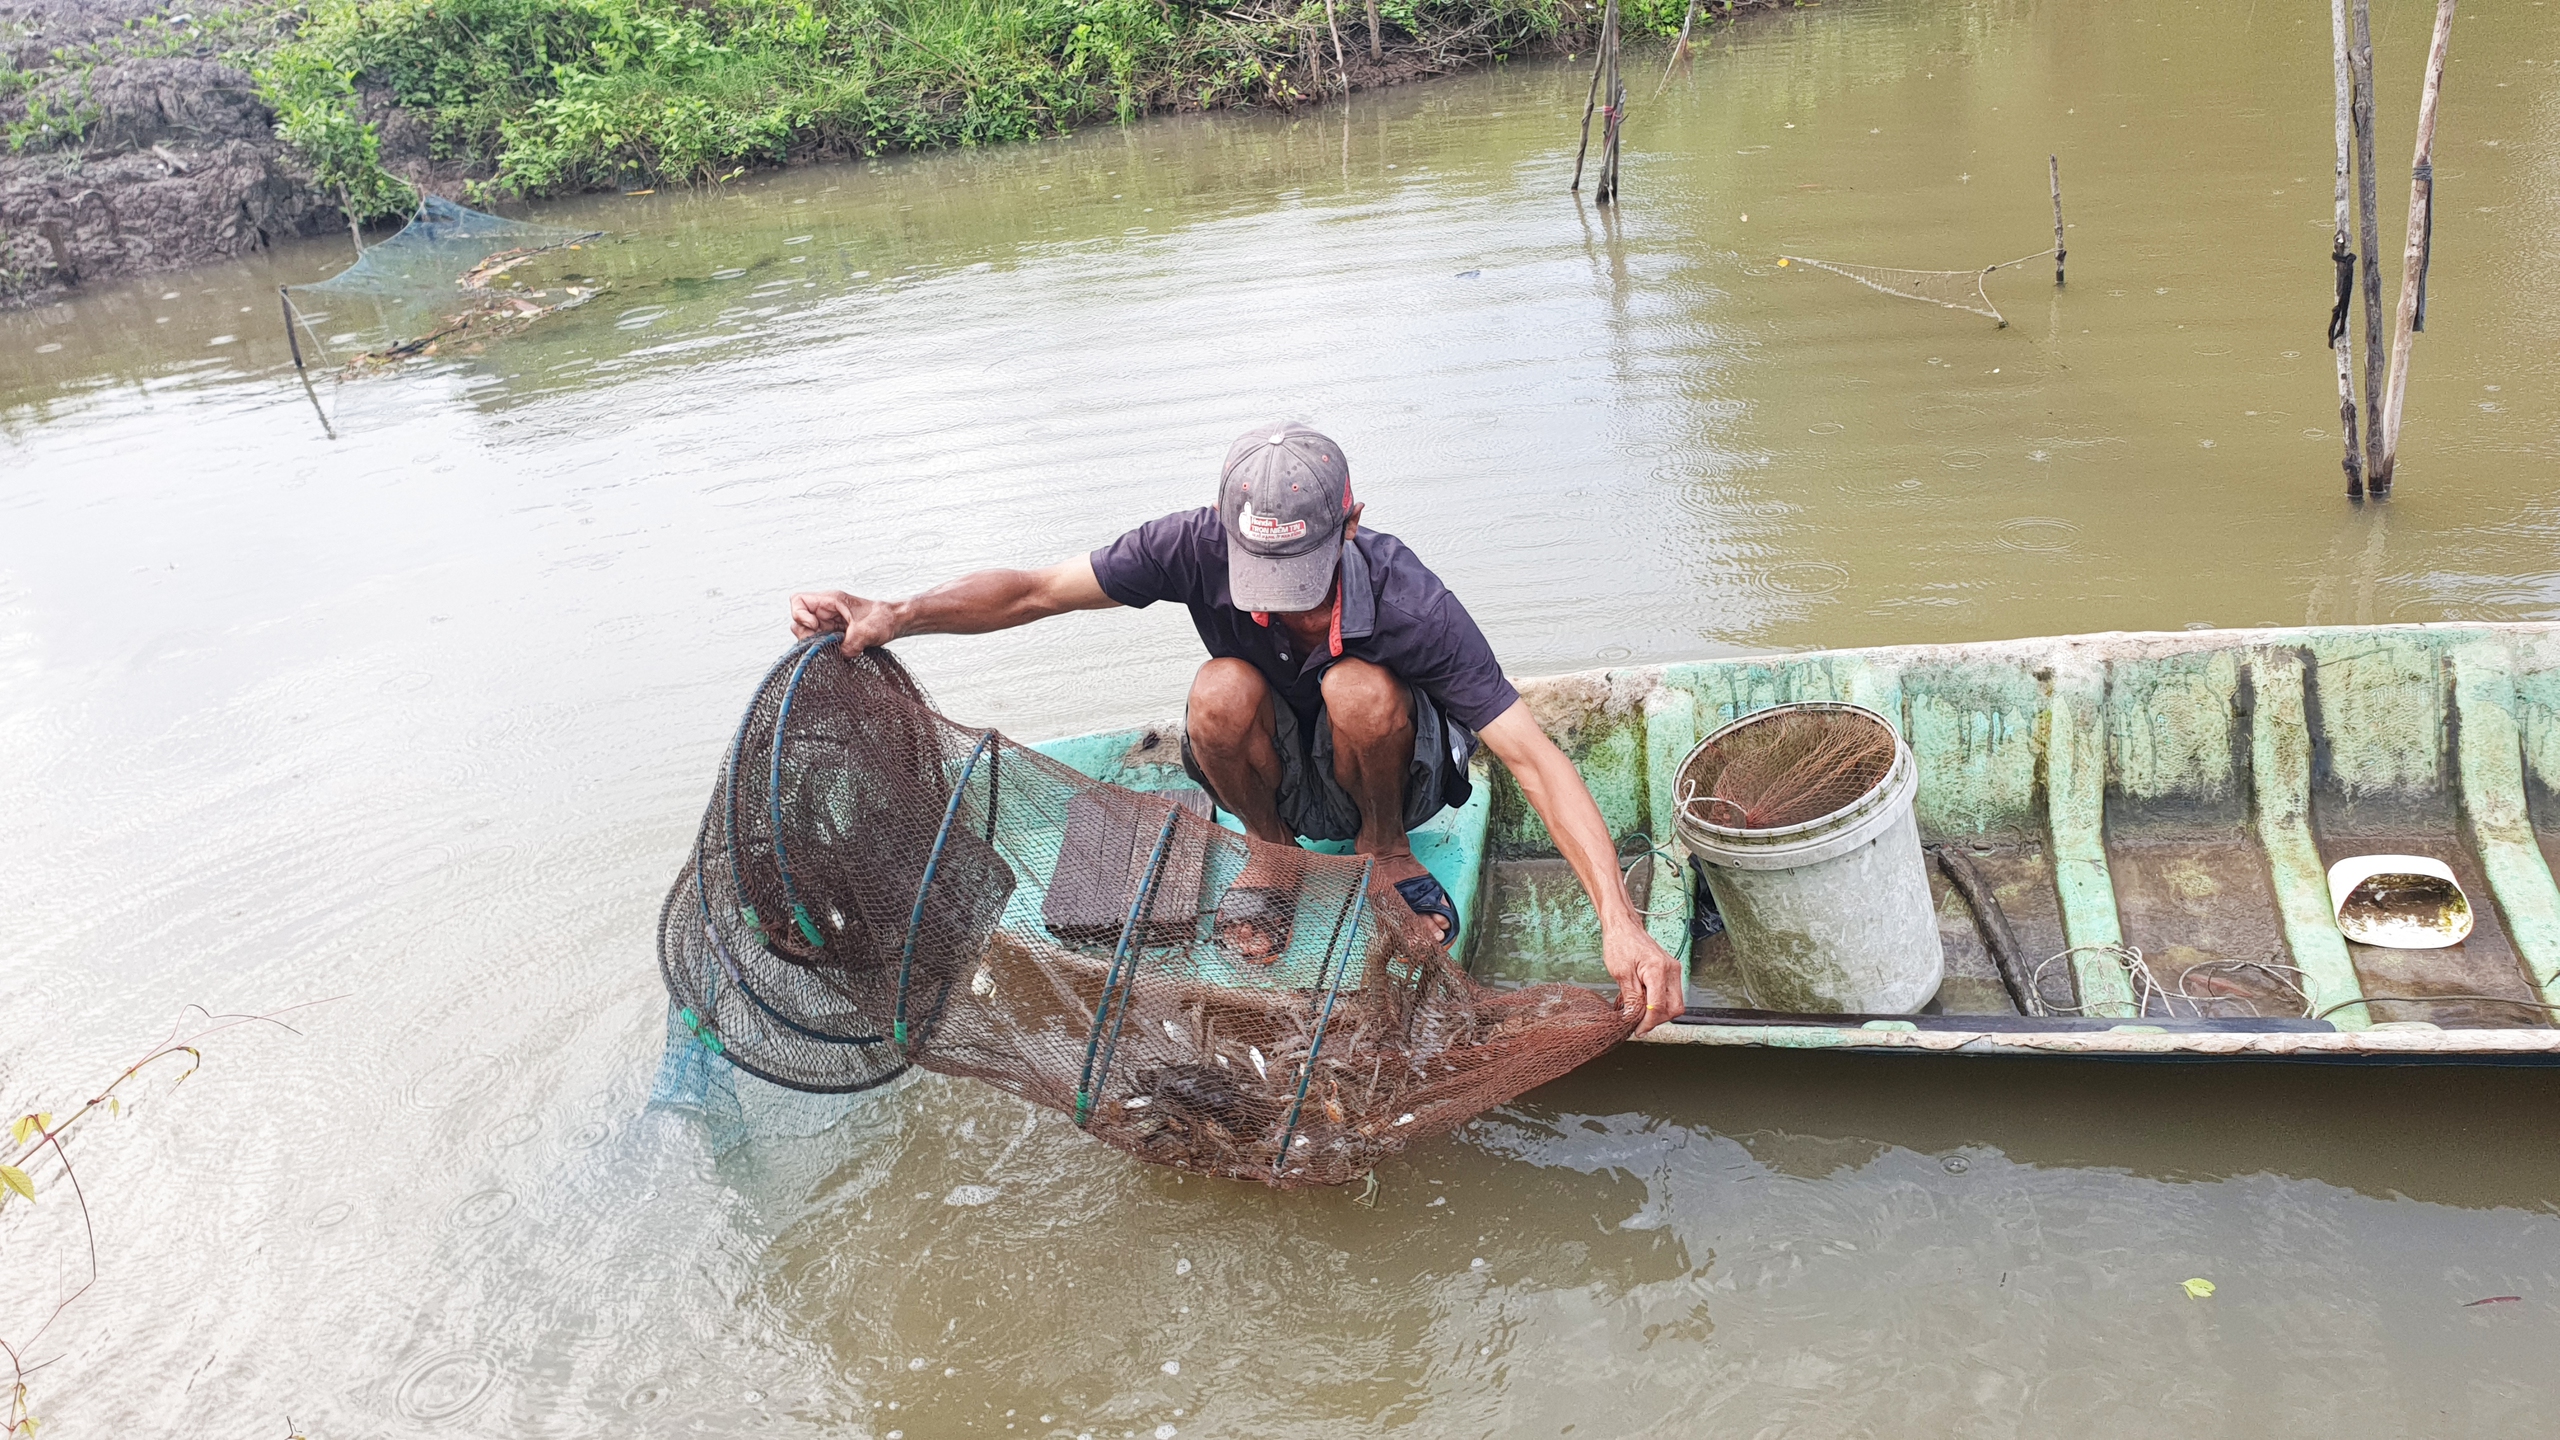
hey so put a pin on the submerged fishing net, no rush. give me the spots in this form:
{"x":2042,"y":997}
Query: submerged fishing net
{"x":1786,"y":766}
{"x":444,"y":275}
{"x":1953,"y":289}
{"x":875,"y":887}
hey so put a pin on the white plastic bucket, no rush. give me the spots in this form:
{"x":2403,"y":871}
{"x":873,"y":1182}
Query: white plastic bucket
{"x":1831,"y":916}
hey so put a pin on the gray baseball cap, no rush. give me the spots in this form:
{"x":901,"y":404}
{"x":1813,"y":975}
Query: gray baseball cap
{"x":1283,"y":496}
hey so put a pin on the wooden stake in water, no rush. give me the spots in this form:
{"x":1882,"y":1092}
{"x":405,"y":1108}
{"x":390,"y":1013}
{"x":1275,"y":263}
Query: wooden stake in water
{"x":1613,"y":91}
{"x":354,"y":230}
{"x":290,"y":339}
{"x":1679,"y":48}
{"x":2413,"y":265}
{"x":1590,"y":102}
{"x":1341,"y":71}
{"x":2053,"y":167}
{"x":2342,"y":259}
{"x":2369,"y":234}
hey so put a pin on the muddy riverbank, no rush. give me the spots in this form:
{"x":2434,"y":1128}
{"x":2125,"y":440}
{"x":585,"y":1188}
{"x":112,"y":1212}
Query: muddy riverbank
{"x":133,"y":148}
{"x":150,"y":135}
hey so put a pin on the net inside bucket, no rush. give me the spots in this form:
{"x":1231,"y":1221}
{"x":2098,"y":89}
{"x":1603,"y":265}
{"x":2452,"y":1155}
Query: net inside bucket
{"x":875,"y":887}
{"x":1787,"y":766}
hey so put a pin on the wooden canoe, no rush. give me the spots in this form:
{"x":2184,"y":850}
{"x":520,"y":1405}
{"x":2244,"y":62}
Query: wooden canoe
{"x":2180,"y":795}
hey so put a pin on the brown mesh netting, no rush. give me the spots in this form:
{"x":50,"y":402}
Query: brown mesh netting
{"x":874,"y":886}
{"x":1787,"y":766}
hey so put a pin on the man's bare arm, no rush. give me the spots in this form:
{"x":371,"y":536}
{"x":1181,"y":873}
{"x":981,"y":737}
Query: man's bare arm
{"x":974,"y":604}
{"x":1649,"y":985}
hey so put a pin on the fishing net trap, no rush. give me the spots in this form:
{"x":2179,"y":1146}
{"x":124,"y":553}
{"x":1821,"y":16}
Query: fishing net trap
{"x":446,"y":274}
{"x":1966,"y":290}
{"x":875,"y":887}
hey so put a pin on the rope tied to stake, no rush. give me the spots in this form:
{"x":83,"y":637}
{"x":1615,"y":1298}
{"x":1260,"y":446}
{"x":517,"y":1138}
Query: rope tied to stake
{"x":2345,"y":260}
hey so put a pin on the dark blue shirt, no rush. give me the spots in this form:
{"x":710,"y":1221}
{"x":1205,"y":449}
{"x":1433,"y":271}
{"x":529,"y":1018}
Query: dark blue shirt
{"x":1395,"y":613}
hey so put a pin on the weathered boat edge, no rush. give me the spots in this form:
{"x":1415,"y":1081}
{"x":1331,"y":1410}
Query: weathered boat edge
{"x":1617,"y":719}
{"x":2388,"y":1046}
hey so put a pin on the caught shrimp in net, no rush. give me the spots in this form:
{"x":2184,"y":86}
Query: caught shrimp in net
{"x":875,"y":887}
{"x":1790,"y":766}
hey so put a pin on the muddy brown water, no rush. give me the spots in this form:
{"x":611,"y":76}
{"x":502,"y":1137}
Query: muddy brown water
{"x":417,"y":709}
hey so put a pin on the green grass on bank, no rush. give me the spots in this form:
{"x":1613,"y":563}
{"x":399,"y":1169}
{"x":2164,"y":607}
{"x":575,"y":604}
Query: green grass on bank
{"x":558,"y":95}
{"x":547,"y":96}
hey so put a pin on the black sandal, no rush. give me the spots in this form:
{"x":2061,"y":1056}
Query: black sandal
{"x":1423,"y":895}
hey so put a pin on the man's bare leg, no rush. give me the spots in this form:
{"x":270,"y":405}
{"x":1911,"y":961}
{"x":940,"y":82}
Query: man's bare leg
{"x":1232,"y":729}
{"x":1372,"y":716}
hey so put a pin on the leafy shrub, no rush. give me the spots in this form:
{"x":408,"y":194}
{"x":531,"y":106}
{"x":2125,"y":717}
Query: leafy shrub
{"x":314,"y":99}
{"x":562,"y":94}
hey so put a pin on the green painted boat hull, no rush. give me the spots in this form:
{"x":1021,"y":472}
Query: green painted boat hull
{"x":2179,"y":793}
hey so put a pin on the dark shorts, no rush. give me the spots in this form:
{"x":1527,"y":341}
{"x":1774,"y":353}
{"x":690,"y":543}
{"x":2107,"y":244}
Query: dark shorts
{"x":1313,"y":803}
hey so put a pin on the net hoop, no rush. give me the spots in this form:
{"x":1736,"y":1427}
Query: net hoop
{"x":1122,"y":978}
{"x":800,"y":920}
{"x":1695,"y":804}
{"x":729,"y":791}
{"x":941,"y":838}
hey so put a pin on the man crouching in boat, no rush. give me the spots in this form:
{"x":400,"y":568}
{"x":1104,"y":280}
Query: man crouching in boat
{"x":1345,"y":692}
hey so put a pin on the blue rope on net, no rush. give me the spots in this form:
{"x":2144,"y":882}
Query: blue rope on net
{"x":1337,"y":961}
{"x":933,"y":862}
{"x":1121,"y":980}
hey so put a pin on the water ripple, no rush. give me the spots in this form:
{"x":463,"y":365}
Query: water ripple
{"x":443,"y":1386}
{"x":2039,"y":534}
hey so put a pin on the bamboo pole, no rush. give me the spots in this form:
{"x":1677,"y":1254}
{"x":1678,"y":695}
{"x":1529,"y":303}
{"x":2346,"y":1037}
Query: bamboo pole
{"x":1617,"y":82}
{"x":2342,"y":259}
{"x":1341,"y":71}
{"x":2413,"y":264}
{"x":1589,"y":103}
{"x":2369,"y":235}
{"x":1608,"y":94}
{"x":1679,"y":48}
{"x":290,"y":339}
{"x":1376,"y":53}
{"x":1613,"y":113}
{"x":2053,"y":167}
